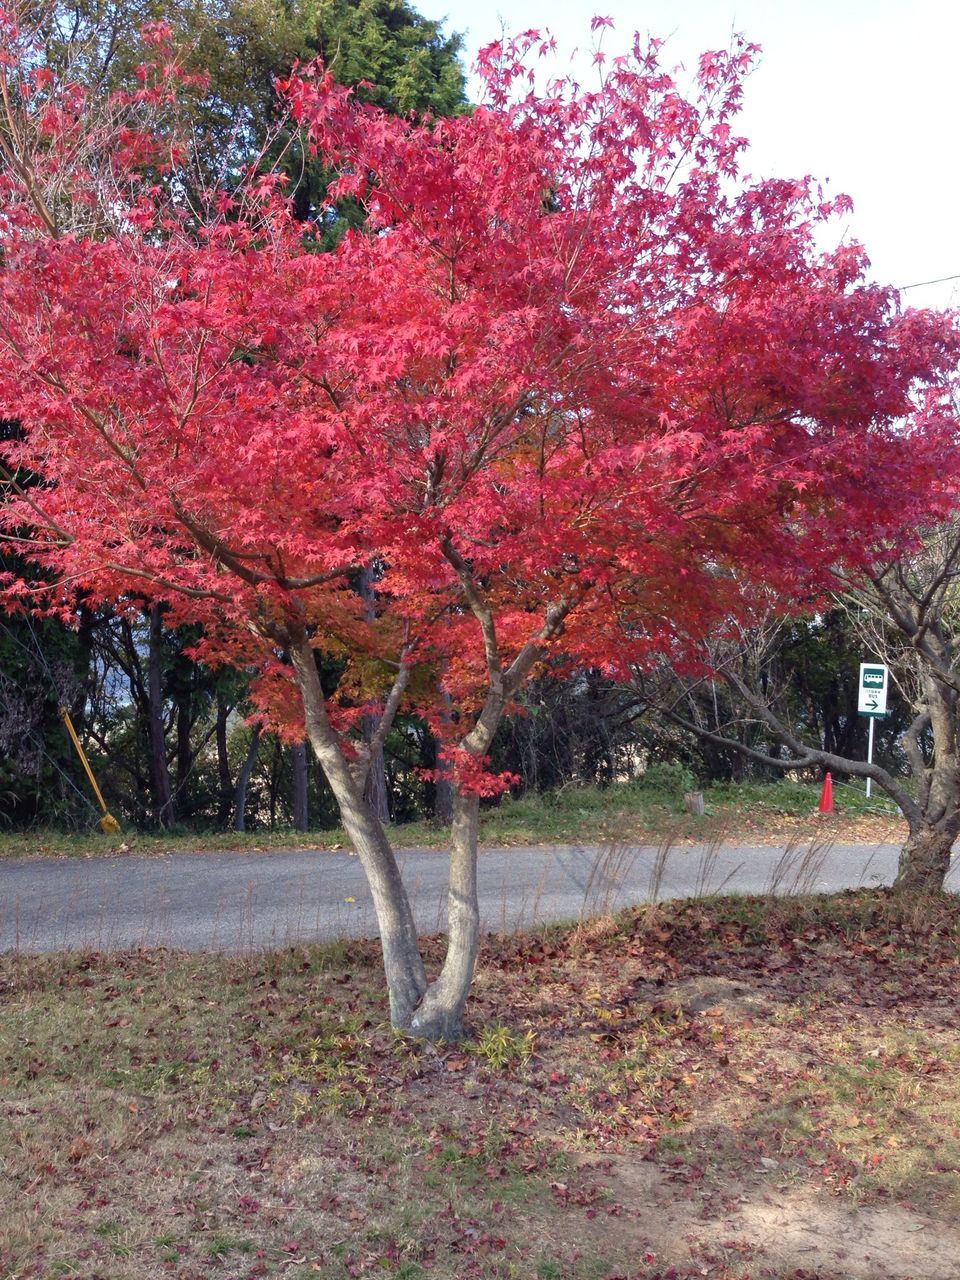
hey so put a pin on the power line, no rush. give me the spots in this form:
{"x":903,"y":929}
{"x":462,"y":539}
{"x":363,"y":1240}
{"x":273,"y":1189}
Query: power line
{"x":920,"y":283}
{"x":67,"y":779}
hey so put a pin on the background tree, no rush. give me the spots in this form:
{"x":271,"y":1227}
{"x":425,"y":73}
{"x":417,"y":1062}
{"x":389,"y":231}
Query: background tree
{"x":805,"y":669}
{"x":904,"y":612}
{"x":907,"y":611}
{"x":403,"y":61}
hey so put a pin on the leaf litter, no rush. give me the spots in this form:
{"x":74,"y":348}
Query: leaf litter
{"x":729,"y":1088}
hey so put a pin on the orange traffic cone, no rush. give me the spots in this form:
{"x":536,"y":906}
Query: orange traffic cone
{"x":826,"y":795}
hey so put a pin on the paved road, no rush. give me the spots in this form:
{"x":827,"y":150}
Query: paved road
{"x":242,"y":901}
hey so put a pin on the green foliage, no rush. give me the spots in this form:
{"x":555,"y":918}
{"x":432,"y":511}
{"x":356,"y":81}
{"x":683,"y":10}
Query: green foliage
{"x":222,"y":1245}
{"x":549,"y":1270}
{"x":795,"y":799}
{"x":819,"y":660}
{"x":244,"y":46}
{"x":397,"y":59}
{"x":407,"y":62}
{"x":40,"y":777}
{"x":672,"y":778}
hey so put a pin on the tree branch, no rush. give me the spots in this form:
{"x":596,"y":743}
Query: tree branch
{"x":805,"y":756}
{"x":532,"y":651}
{"x":911,"y":745}
{"x":366,"y":751}
{"x":479,"y":608}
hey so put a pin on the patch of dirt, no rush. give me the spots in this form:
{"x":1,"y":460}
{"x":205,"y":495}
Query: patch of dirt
{"x":716,"y":995}
{"x":767,"y":827}
{"x":777,"y":1228}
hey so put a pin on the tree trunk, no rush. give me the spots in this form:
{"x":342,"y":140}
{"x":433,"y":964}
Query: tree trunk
{"x":444,"y":798}
{"x":184,"y":756}
{"x":301,"y":807}
{"x":225,"y":797}
{"x":402,"y":963}
{"x":925,"y":858}
{"x":276,"y":767}
{"x":243,"y":781}
{"x":444,"y":793}
{"x":440,"y":1015}
{"x":375,"y":791}
{"x":160,"y":773}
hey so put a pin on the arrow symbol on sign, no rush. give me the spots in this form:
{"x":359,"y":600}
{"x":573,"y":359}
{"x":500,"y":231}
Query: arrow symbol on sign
{"x":872,"y":702}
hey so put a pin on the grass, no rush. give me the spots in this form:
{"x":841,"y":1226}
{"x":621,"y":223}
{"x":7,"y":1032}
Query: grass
{"x":625,"y":811}
{"x":632,"y":1090}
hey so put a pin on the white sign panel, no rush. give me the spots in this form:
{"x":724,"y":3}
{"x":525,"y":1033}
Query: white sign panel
{"x":872,"y":690}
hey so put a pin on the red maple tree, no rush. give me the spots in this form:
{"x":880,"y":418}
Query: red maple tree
{"x":575,"y":392}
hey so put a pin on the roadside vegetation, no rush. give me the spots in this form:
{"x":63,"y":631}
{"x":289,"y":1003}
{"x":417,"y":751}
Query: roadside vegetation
{"x":648,"y":810}
{"x":728,"y":1088}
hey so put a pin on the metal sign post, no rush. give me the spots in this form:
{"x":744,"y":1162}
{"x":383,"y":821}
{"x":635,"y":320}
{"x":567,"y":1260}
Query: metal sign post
{"x":872,"y":700}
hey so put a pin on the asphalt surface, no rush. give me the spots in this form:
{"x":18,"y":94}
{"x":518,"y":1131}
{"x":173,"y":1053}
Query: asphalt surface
{"x":243,"y":901}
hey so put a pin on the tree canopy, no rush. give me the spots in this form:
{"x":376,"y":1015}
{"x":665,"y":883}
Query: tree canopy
{"x":575,"y":389}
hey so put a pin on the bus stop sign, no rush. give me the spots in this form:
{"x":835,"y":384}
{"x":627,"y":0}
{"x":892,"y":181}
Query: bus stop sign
{"x":872,"y":692}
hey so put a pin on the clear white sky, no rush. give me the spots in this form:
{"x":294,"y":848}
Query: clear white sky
{"x":862,"y":93}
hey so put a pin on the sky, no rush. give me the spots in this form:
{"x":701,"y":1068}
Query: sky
{"x":860,"y":93}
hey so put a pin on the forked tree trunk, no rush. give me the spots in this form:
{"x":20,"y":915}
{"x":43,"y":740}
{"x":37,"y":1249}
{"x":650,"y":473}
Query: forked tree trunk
{"x":435,"y":1011}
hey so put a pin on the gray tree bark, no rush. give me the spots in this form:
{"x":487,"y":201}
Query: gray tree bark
{"x":243,"y":781}
{"x":925,"y":858}
{"x":934,"y":827}
{"x":402,"y":963}
{"x":440,"y":1015}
